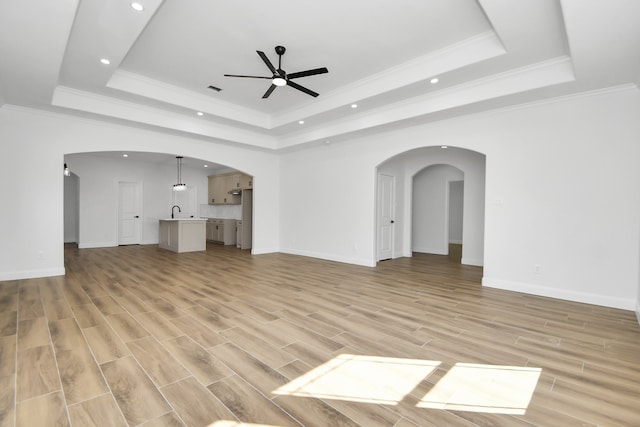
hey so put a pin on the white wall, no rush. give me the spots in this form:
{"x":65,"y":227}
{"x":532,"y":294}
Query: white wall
{"x":71,"y":209}
{"x":32,"y":221}
{"x":327,"y":204}
{"x":561,"y":193}
{"x":98,"y":208}
{"x":456,"y":209}
{"x":430,"y":214}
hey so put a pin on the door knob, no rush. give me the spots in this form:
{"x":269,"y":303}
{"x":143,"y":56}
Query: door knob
{"x":137,"y":216}
{"x":392,"y":222}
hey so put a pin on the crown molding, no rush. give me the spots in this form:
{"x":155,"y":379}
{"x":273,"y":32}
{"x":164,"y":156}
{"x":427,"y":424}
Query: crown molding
{"x":129,"y":111}
{"x":466,"y":52}
{"x":535,"y":76}
{"x":154,"y":89}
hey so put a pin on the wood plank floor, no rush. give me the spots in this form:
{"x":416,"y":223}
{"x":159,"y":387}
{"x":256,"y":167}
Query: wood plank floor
{"x":141,"y":336}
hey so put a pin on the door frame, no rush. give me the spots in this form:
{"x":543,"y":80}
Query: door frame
{"x":137,"y":239}
{"x":379,"y":216}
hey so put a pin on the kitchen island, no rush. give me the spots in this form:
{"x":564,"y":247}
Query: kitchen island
{"x":183,"y":234}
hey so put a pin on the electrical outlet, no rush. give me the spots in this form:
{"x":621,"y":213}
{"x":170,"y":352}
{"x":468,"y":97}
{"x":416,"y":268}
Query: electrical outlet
{"x":537,"y":269}
{"x":40,"y":256}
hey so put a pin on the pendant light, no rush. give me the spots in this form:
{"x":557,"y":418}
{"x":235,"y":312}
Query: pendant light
{"x":67,"y":172}
{"x":179,"y":186}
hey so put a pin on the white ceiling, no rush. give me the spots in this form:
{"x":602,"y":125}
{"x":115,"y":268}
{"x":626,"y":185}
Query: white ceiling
{"x":380,"y":54}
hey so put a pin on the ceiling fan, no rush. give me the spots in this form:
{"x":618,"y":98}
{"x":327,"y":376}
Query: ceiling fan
{"x":280,"y":77}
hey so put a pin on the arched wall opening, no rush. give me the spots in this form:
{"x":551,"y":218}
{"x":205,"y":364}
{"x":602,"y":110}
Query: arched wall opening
{"x":95,"y":218}
{"x":405,"y":166}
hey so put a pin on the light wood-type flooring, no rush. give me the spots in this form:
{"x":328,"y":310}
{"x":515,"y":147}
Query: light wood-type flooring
{"x":136,"y":335}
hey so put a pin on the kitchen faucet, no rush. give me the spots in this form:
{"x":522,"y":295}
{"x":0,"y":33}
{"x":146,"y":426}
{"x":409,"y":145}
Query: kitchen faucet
{"x":173,"y":207}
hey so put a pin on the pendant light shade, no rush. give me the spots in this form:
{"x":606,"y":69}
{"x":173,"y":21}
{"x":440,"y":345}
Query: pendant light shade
{"x":67,"y":172}
{"x":179,"y":186}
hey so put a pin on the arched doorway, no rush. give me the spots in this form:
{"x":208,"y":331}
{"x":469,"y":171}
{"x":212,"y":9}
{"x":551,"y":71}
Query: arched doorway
{"x":403,"y":167}
{"x":103,"y":174}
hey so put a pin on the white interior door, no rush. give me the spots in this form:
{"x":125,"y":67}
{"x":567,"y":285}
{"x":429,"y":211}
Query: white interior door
{"x":386,"y":185}
{"x":129,"y":213}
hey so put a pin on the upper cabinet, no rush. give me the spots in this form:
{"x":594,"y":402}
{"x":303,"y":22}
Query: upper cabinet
{"x":224,"y":189}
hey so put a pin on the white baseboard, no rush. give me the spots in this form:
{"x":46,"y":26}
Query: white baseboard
{"x":587,"y":298}
{"x":97,"y":245}
{"x":455,"y":242}
{"x":31,"y":274}
{"x":438,"y":251}
{"x":260,"y":251}
{"x":472,"y":261}
{"x":330,"y":257}
{"x":638,"y":312}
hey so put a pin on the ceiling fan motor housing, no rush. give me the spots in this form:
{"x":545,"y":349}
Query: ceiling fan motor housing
{"x":280,"y":77}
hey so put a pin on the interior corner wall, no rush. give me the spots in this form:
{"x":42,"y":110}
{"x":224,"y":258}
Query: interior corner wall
{"x":327,"y":195}
{"x":32,"y":217}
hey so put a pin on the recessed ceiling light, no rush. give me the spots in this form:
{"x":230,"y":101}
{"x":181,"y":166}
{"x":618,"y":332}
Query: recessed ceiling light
{"x":354,"y":105}
{"x":327,"y":141}
{"x":125,"y":155}
{"x":137,"y":7}
{"x":105,"y":61}
{"x":444,"y":146}
{"x":300,"y":122}
{"x":200,"y":113}
{"x":434,"y":80}
{"x":206,"y":166}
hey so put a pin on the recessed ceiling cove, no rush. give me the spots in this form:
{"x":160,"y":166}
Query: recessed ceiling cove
{"x":155,"y":66}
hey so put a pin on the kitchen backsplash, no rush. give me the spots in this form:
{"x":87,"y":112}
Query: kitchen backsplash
{"x":221,"y":211}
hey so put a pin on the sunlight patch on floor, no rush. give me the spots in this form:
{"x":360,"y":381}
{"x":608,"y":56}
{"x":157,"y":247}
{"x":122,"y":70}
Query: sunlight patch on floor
{"x":371,"y":379}
{"x":483,"y":388}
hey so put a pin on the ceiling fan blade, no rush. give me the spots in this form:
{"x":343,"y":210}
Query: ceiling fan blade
{"x":302,"y":88}
{"x":308,"y":73}
{"x":248,"y":77}
{"x":268,"y":92}
{"x":266,"y":61}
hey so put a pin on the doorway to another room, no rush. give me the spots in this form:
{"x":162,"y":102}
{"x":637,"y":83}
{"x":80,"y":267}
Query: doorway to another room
{"x":438,"y":205}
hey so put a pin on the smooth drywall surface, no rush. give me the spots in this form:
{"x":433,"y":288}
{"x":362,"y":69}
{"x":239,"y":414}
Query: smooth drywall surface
{"x":32,"y":214}
{"x":327,"y":210}
{"x":456,"y":209}
{"x":71,"y":209}
{"x":430,"y":215}
{"x":562,"y":202}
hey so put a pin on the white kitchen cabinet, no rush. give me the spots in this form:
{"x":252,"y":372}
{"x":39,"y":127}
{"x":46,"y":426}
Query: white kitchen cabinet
{"x":182,"y":235}
{"x":221,"y":231}
{"x":221,"y":187}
